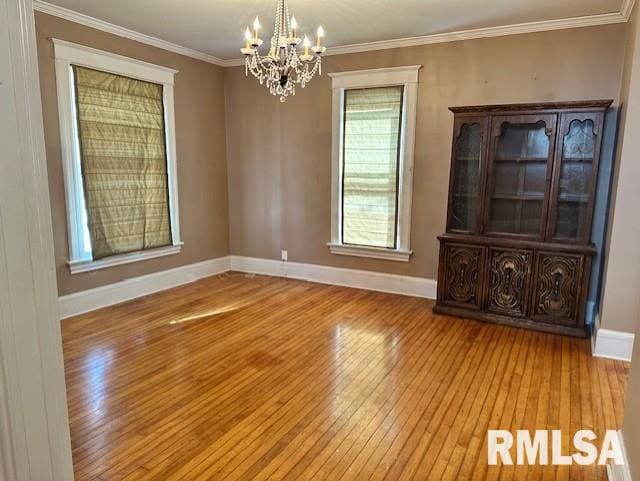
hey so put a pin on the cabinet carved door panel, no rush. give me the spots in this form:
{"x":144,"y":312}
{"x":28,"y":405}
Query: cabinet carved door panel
{"x":463,"y":275}
{"x":509,"y":276}
{"x":557,"y":288}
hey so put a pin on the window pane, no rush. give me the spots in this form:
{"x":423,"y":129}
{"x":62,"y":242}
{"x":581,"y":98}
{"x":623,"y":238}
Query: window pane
{"x":123,"y":162}
{"x":372,"y":124}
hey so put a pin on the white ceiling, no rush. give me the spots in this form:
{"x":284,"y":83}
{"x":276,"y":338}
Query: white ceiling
{"x":216,"y":27}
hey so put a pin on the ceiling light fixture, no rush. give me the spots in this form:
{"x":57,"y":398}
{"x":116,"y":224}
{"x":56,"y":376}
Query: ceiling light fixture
{"x":283,"y":67}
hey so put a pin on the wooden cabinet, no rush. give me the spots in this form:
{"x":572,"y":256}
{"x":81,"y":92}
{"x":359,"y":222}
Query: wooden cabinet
{"x":463,"y":276}
{"x":557,"y":289}
{"x":522,"y":186}
{"x":508,"y":281}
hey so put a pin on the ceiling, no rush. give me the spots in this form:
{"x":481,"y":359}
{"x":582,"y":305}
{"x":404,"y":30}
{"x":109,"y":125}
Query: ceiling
{"x":215,"y":27}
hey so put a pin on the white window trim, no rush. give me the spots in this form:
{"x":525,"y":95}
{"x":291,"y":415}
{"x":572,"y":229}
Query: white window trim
{"x":383,"y":77}
{"x":85,"y":266}
{"x":66,"y":55}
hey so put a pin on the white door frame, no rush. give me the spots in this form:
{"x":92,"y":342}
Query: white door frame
{"x":34,"y":426}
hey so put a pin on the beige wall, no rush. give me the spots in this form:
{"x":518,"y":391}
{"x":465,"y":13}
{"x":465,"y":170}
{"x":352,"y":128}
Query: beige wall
{"x":631,"y":429}
{"x":201,"y":153}
{"x":279,"y":156}
{"x":277,"y":161}
{"x":621,"y":299}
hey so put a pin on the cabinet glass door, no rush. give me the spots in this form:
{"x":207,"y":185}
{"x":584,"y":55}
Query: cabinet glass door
{"x":466,"y":182}
{"x":519,"y":175}
{"x":575,"y":173}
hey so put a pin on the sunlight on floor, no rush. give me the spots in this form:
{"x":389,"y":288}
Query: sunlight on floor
{"x":210,"y":313}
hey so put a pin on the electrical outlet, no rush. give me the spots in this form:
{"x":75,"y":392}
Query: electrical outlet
{"x":285,"y":255}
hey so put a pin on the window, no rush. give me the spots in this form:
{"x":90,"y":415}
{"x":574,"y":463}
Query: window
{"x":374,"y":114}
{"x":371,"y":151}
{"x":118,"y":148}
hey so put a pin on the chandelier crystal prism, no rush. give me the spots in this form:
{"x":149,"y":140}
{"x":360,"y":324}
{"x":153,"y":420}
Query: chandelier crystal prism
{"x":283,"y":68}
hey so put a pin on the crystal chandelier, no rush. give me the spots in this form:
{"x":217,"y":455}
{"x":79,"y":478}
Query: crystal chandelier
{"x":283,"y":68}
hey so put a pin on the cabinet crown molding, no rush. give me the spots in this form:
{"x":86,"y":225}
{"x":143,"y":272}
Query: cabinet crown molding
{"x":505,"y":108}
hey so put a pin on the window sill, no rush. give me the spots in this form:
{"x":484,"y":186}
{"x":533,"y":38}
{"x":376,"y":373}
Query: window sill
{"x":76,"y":267}
{"x":371,"y":252}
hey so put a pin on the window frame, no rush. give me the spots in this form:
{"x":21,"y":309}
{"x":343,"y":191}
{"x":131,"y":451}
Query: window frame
{"x":406,"y":76}
{"x":67,"y":54}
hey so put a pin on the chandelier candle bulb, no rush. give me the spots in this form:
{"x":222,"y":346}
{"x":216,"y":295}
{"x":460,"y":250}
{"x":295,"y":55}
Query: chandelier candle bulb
{"x":293,"y":39}
{"x":306,"y":57}
{"x":256,"y":27}
{"x":307,"y":44}
{"x":320,"y":35}
{"x":247,"y":38}
{"x":247,"y":50}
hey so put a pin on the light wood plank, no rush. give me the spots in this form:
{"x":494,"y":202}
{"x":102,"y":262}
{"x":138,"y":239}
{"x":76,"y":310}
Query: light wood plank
{"x":240,"y":377}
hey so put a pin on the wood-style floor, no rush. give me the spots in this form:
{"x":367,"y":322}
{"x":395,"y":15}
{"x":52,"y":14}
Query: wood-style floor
{"x":253,"y":378}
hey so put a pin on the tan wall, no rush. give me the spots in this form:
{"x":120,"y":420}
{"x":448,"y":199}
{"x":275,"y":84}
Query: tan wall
{"x":621,"y":298}
{"x":201,"y":153}
{"x":279,"y":156}
{"x":620,"y":301}
{"x":631,"y":429}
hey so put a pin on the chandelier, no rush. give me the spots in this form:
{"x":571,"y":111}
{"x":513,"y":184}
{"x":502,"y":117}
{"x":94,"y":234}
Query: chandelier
{"x":283,"y":67}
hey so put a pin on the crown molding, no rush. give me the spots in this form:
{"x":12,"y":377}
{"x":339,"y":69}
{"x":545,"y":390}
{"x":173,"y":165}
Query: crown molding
{"x":530,"y":27}
{"x":626,"y":8}
{"x":515,"y":29}
{"x":233,"y":62}
{"x":488,"y":32}
{"x":98,"y":24}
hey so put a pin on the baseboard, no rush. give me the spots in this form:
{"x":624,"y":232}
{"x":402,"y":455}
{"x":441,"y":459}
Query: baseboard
{"x":608,"y":343}
{"x":613,"y":344}
{"x":373,"y":281}
{"x":89,"y":300}
{"x":621,"y":472}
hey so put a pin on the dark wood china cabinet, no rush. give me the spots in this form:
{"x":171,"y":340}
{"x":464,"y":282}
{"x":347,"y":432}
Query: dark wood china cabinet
{"x":521,"y":196}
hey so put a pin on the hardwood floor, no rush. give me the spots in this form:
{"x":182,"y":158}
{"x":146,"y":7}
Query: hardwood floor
{"x":253,"y":378}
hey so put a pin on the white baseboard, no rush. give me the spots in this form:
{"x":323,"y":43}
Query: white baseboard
{"x":89,"y":300}
{"x":621,"y":472}
{"x":373,"y":281}
{"x":608,"y":343}
{"x":613,"y":344}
